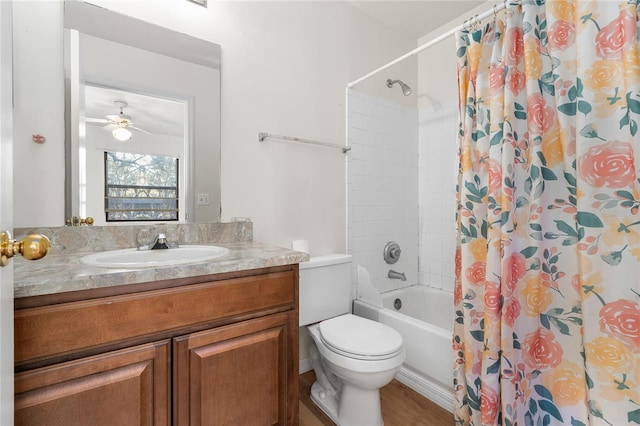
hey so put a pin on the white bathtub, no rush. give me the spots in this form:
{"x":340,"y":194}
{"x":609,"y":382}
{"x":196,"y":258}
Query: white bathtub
{"x":425,"y":322}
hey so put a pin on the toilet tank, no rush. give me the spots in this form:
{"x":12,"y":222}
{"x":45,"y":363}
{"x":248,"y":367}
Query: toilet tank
{"x":325,"y":287}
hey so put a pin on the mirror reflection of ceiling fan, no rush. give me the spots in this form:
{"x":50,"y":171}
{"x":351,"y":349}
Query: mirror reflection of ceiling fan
{"x":120,"y":125}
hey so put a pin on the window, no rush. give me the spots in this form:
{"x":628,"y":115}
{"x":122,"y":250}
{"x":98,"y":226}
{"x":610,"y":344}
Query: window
{"x":140,"y":187}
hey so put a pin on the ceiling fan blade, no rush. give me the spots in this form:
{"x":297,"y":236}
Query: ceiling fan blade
{"x":110,"y":127}
{"x":95,"y":120}
{"x":114,"y":117}
{"x":138,"y":129}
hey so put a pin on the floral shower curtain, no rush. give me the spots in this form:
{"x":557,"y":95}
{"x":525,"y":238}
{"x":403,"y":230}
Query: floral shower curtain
{"x":547,"y":293}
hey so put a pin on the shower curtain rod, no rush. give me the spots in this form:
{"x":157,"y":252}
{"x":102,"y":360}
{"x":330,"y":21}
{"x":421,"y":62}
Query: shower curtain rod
{"x":474,"y":20}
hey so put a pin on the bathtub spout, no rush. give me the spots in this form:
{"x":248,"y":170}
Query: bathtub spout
{"x":395,"y":275}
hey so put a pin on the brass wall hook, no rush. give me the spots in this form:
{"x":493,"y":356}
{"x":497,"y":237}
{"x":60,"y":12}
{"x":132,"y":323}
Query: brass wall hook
{"x":77,"y":221}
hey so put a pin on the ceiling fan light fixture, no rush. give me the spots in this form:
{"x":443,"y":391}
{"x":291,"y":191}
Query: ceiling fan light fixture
{"x":122,"y":134}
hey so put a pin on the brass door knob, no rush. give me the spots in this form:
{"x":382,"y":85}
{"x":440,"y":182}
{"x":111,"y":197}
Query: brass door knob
{"x":32,"y":247}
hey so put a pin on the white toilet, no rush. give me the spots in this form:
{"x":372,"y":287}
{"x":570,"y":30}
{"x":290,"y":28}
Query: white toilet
{"x":352,"y":357}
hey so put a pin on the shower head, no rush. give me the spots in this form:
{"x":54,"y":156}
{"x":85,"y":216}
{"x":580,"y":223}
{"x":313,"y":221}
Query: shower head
{"x":406,"y":90}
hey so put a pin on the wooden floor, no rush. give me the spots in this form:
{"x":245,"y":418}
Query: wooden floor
{"x":401,"y":406}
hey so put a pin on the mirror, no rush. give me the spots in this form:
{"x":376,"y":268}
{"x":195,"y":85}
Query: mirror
{"x":96,"y":68}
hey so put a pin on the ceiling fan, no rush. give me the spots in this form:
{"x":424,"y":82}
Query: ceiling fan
{"x":118,"y":124}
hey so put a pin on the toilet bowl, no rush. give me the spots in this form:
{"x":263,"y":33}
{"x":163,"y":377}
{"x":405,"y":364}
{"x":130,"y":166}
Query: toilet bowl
{"x":352,"y":357}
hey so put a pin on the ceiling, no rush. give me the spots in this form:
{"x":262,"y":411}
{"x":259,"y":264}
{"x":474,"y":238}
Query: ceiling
{"x":419,"y":17}
{"x":158,"y":116}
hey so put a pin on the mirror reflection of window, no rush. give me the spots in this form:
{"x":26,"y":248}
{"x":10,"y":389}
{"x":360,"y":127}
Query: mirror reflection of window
{"x":140,"y":187}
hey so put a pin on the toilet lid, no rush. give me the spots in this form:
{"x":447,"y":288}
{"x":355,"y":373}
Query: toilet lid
{"x":360,"y":338}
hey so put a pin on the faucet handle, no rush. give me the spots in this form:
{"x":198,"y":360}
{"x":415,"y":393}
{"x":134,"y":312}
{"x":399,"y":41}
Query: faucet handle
{"x":145,"y":239}
{"x":173,"y":237}
{"x":391,"y":252}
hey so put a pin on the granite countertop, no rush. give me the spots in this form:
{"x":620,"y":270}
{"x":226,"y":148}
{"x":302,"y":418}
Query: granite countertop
{"x":58,"y":273}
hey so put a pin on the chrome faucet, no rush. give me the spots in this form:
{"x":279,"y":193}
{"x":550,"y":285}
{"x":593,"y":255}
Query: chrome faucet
{"x":395,"y":275}
{"x":160,"y":243}
{"x":148,"y":240}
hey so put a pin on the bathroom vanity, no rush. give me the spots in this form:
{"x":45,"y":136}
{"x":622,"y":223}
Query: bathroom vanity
{"x":203,"y":344}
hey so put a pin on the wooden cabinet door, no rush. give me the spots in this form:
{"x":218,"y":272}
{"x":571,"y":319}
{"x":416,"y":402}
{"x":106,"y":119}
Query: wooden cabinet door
{"x":241,"y":374}
{"x":125,"y":387}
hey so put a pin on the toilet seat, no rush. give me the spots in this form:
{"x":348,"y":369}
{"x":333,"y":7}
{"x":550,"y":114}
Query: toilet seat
{"x":359,"y":338}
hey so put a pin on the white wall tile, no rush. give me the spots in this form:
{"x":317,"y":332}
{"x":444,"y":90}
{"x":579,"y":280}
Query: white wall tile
{"x":402,"y":190}
{"x":437,"y":171}
{"x":386,"y":171}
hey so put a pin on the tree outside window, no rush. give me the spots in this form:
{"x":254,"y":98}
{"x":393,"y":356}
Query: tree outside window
{"x":140,"y":187}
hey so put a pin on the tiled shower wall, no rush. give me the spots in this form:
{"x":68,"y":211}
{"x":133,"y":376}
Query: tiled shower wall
{"x":382,"y":187}
{"x":437,"y":171}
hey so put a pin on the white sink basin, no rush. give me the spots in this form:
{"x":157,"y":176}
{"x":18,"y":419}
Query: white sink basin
{"x":134,"y":258}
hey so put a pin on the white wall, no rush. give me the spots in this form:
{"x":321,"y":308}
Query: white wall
{"x":38,"y":70}
{"x":290,"y":64}
{"x":285,"y":66}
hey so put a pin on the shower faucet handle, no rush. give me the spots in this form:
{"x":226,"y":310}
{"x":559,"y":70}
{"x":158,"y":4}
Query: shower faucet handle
{"x":391,"y":252}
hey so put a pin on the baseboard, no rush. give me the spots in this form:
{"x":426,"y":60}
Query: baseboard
{"x":430,"y":390}
{"x":304,"y":365}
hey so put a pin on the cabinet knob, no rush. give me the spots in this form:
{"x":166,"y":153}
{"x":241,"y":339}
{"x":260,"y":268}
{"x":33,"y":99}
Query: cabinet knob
{"x":32,"y":247}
